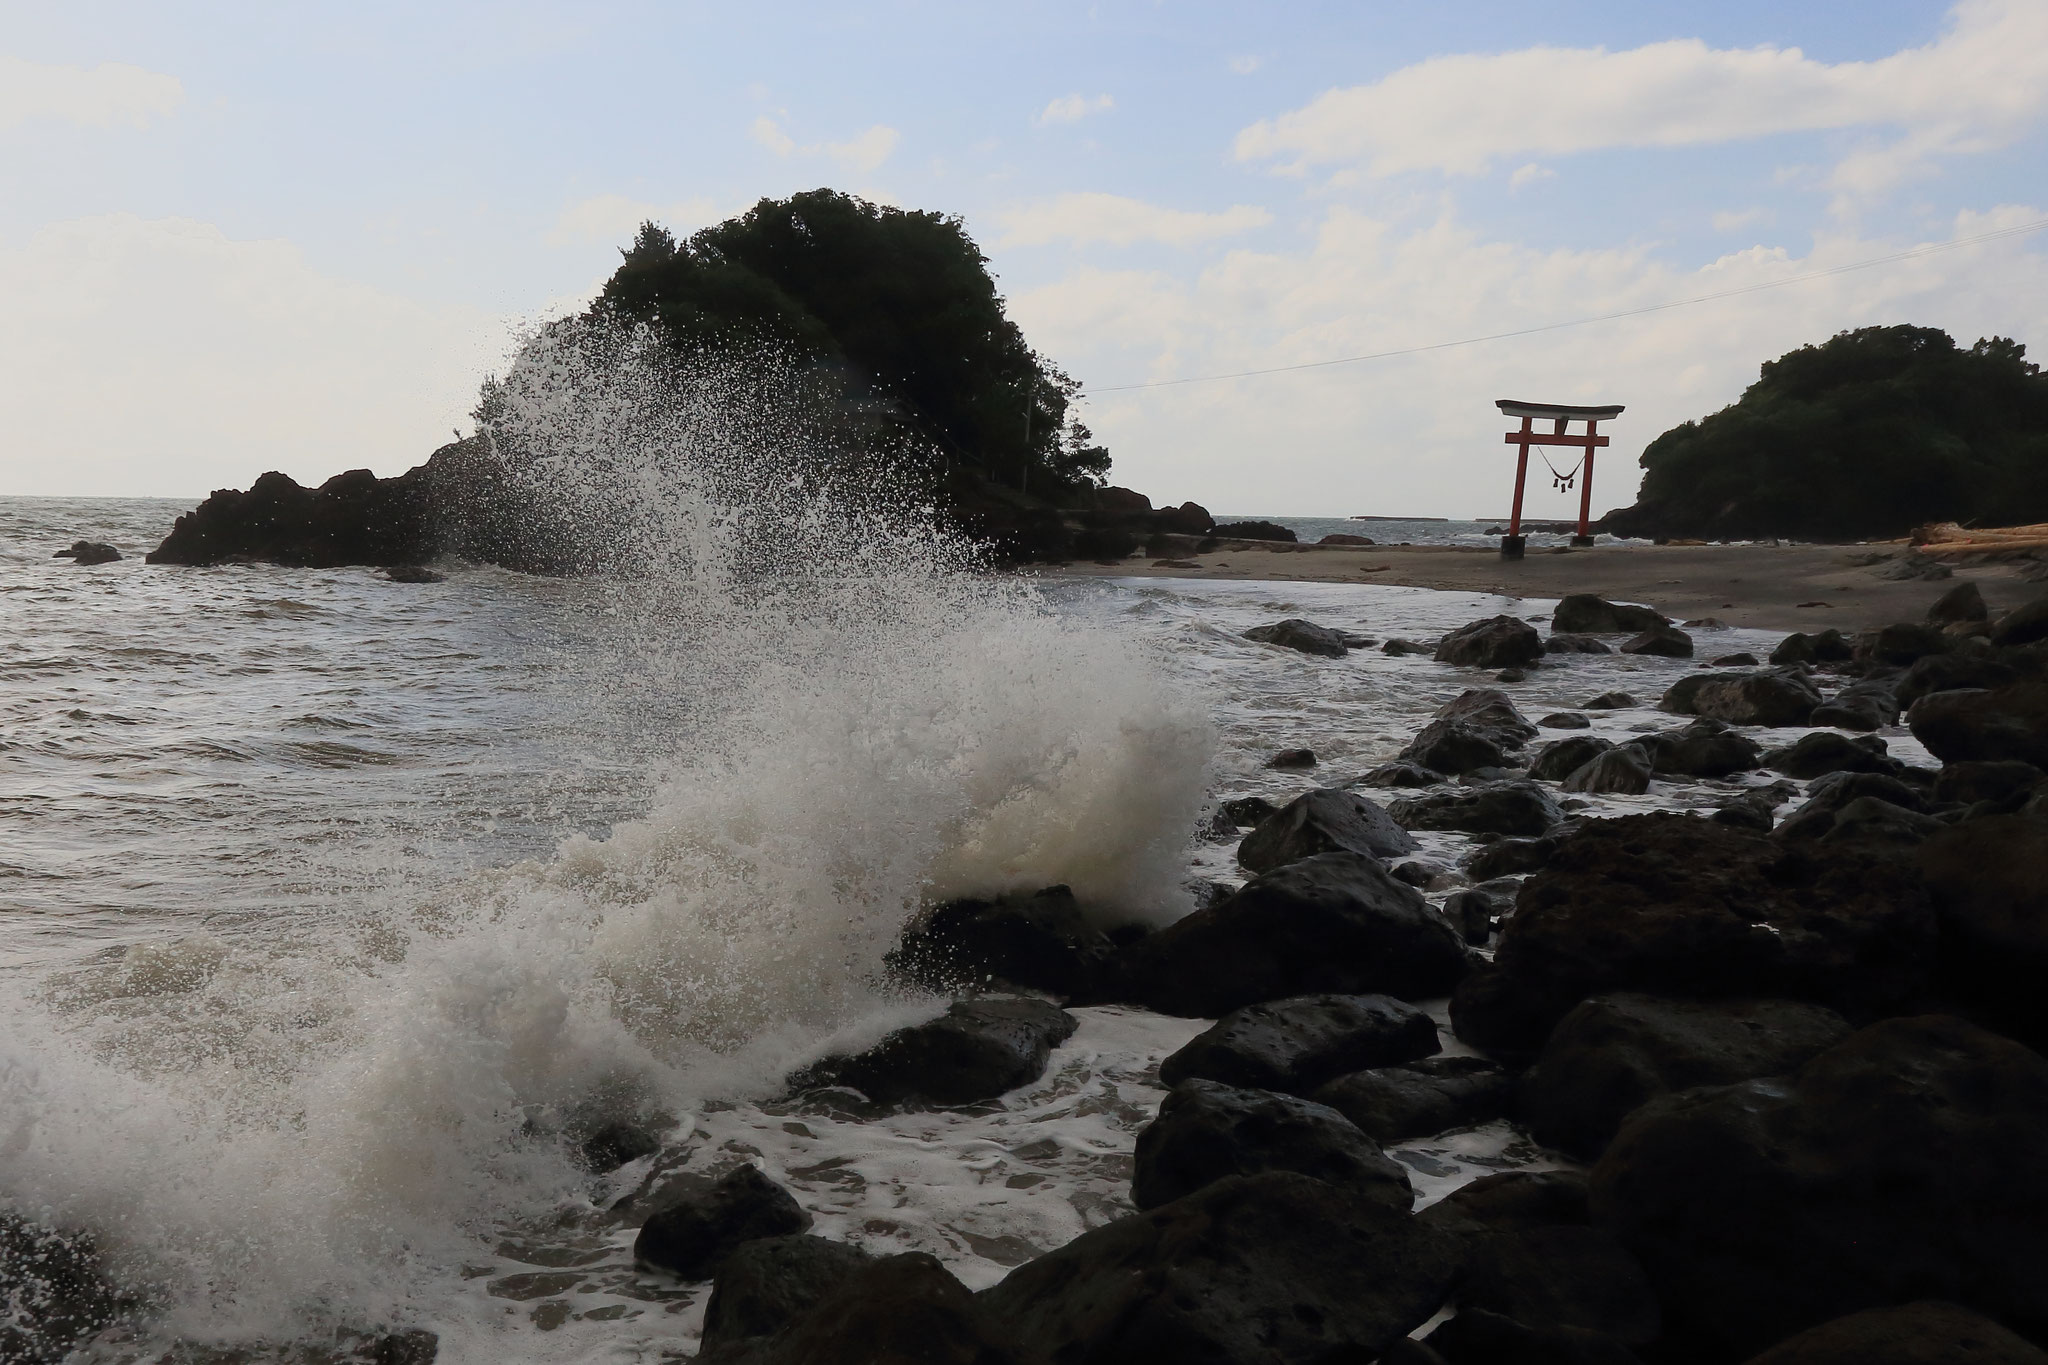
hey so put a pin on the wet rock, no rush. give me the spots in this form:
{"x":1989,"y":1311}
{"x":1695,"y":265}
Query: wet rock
{"x":1772,"y":697}
{"x":1207,"y":1131}
{"x":1742,"y":660}
{"x":2022,"y":625}
{"x":1336,"y":922}
{"x":89,"y":552}
{"x":1511,"y":675}
{"x":1288,"y":760}
{"x":1403,"y":774}
{"x":1497,"y":808}
{"x":1754,"y":809}
{"x":1397,"y":648}
{"x":1705,"y":748}
{"x":1666,"y":642}
{"x":977,"y":1050}
{"x":1422,"y":1098}
{"x":1473,"y":912}
{"x":1987,"y":878}
{"x":1828,"y":796}
{"x":1624,"y":771}
{"x":1901,"y":643}
{"x":2006,"y":723}
{"x":55,"y":1290}
{"x":1497,"y":642}
{"x":1608,"y":701}
{"x":1475,"y":729}
{"x":1506,"y":857}
{"x":1676,"y":905}
{"x":1906,"y":1162}
{"x":1267,"y":1268}
{"x":1584,"y":612}
{"x":767,"y":1284}
{"x":1041,"y":942}
{"x":1565,"y":720}
{"x":613,"y":1144}
{"x":1420,"y":873}
{"x":1615,"y":1053}
{"x":898,"y":1310}
{"x":1829,"y":646}
{"x":1823,"y":751}
{"x":1871,"y":821}
{"x":1575,"y":644}
{"x":407,"y":1346}
{"x":1865,"y":706}
{"x":1306,"y":636}
{"x":1296,"y":1044}
{"x":1479,"y":1337}
{"x":691,"y":1237}
{"x":1963,"y":602}
{"x":1953,"y":672}
{"x":1558,"y":760}
{"x":413,"y":573}
{"x":1327,"y":820}
{"x":1246,"y":810}
{"x":1986,"y":780}
{"x":1925,"y":1333}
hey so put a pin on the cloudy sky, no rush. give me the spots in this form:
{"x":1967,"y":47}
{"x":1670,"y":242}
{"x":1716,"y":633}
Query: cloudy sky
{"x":239,"y":237}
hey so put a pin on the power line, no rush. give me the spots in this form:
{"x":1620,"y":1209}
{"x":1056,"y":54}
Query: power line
{"x":2019,"y":230}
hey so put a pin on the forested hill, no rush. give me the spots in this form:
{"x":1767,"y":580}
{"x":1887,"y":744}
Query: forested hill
{"x":899,"y":305}
{"x":1865,"y":435}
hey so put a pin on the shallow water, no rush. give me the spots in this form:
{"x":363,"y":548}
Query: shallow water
{"x":329,"y":900}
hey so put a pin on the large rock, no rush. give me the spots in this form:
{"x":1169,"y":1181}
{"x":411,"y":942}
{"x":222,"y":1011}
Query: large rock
{"x":1584,"y":612}
{"x":1897,"y":645}
{"x":767,"y":1284}
{"x":1925,"y":1333}
{"x":690,"y":1237}
{"x":1824,"y":751}
{"x":1042,"y":942}
{"x":1476,"y":729}
{"x":1827,"y":797}
{"x":1870,"y":704}
{"x":1559,"y":759}
{"x":899,"y":1310}
{"x":1615,"y":1053}
{"x":1770,"y":697}
{"x":1955,"y":672}
{"x":1327,"y":820}
{"x":1422,"y":1098}
{"x":1624,"y":771}
{"x":1989,"y":881}
{"x":2010,"y":722}
{"x":1306,"y":636}
{"x":1908,"y":1162}
{"x":1521,"y":808}
{"x":977,"y":1050}
{"x":1253,"y":1270}
{"x":2022,"y":625}
{"x":1497,"y":642}
{"x":1207,"y":1131}
{"x":55,"y":1291}
{"x":1705,"y":748}
{"x":89,"y":552}
{"x":1678,"y":905}
{"x":1666,"y":642}
{"x":1294,"y":1045}
{"x":1337,"y":922}
{"x":1829,"y":646}
{"x":1996,"y":780}
{"x":1963,"y":602}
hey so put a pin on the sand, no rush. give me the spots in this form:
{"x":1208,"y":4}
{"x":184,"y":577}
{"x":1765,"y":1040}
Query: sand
{"x":1789,"y":587}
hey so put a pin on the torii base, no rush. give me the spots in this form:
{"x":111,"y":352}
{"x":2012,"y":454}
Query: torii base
{"x":1582,"y":542}
{"x":1511,"y":547}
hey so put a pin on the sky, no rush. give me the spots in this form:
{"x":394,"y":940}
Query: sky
{"x":240,"y":237}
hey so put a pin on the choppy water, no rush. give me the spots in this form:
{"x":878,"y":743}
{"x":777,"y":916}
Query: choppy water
{"x":326,"y":902}
{"x":1430,"y":532}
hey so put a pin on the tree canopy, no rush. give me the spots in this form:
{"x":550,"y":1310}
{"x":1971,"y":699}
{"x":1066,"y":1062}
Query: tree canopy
{"x":1867,"y":434}
{"x":899,"y":305}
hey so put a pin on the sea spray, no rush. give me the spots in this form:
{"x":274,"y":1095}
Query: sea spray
{"x":304,"y":1124}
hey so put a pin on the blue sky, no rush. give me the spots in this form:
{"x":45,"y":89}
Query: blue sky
{"x":244,"y":237}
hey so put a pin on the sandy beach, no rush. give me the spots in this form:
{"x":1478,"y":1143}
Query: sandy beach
{"x":1789,"y":587}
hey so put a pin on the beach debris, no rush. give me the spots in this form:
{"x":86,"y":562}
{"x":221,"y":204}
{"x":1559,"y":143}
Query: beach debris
{"x":1496,"y":642}
{"x":1208,"y":1130}
{"x":1516,"y":808}
{"x":1421,"y":1098}
{"x":977,"y":1050}
{"x":1666,"y":642}
{"x":1326,"y":820}
{"x":89,"y":552}
{"x":1306,"y":636}
{"x":1293,"y":1045}
{"x":691,"y":1235}
{"x":1589,"y":614}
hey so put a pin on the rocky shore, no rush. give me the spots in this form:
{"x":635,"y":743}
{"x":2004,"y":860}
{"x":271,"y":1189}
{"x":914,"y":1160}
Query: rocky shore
{"x":1785,"y":1046}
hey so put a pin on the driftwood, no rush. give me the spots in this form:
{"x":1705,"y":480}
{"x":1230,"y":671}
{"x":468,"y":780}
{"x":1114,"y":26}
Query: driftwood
{"x":1946,"y":540}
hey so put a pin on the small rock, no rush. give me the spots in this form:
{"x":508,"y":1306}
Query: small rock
{"x":1665,"y":642}
{"x":1472,"y":912}
{"x":1290,"y":759}
{"x":1294,"y":1045}
{"x":1869,"y":820}
{"x":1565,"y":720}
{"x":1743,"y":660}
{"x":1422,"y":1098}
{"x":1575,"y":644}
{"x":1609,"y":701}
{"x":1913,"y":565}
{"x":1399,"y":647}
{"x":692,"y":1237}
{"x":413,"y":573}
{"x":1403,"y":774}
{"x":1831,"y":793}
{"x":1824,"y":751}
{"x":1327,"y":820}
{"x":1829,"y":646}
{"x":1593,"y":615}
{"x":89,"y":552}
{"x":976,"y":1050}
{"x":1622,"y":771}
{"x":1305,"y":636}
{"x":55,"y":1289}
{"x":1246,"y":810}
{"x":1207,"y":1131}
{"x":1556,"y":761}
{"x":1511,"y":675}
{"x":1479,"y":1336}
{"x":616,"y":1143}
{"x":1419,"y":872}
{"x":1901,"y":644}
{"x":1963,"y":602}
{"x":1969,"y":782}
{"x":1497,"y":642}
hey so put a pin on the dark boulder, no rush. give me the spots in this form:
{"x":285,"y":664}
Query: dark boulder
{"x":1207,"y":1131}
{"x":1290,"y":760}
{"x":976,"y":1050}
{"x":898,"y":1310}
{"x":1497,"y":642}
{"x":1608,"y":701}
{"x":1772,"y":697}
{"x":1902,"y":643}
{"x":1742,"y":659}
{"x":1667,"y":642}
{"x":1305,"y":636}
{"x":2009,"y":722}
{"x":1925,"y":1333}
{"x":1399,"y":648}
{"x":55,"y":1291}
{"x":1954,"y":672}
{"x":1422,"y":1098}
{"x":1624,"y":771}
{"x":1705,"y":748}
{"x":1677,"y":905}
{"x":1475,"y":729}
{"x":1403,"y":774}
{"x":1995,"y":780}
{"x":1246,"y":810}
{"x":611,"y":1145}
{"x":1336,"y":922}
{"x":1593,"y":615}
{"x":1041,"y":942}
{"x":691,"y":1236}
{"x":1473,"y":911}
{"x":1828,"y":796}
{"x":1252,"y":530}
{"x":1491,"y":712}
{"x":1556,"y":761}
{"x":1296,"y":1044}
{"x":1989,"y":881}
{"x":1424,"y":874}
{"x":1565,"y":720}
{"x":1824,"y":751}
{"x":89,"y":552}
{"x":1188,"y":519}
{"x":1909,"y":1161}
{"x":1829,"y":646}
{"x":1506,"y":857}
{"x":2023,"y":625}
{"x":1615,"y":1053}
{"x":1495,"y":808}
{"x":765,"y":1285}
{"x":1575,"y":644}
{"x":1327,"y":820}
{"x":1873,"y":822}
{"x":1868,"y":705}
{"x":1963,"y":602}
{"x":1268,"y":1268}
{"x":413,"y":573}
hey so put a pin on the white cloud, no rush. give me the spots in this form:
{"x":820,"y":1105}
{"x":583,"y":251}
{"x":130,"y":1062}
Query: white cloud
{"x":1073,"y":108}
{"x":1977,"y":86}
{"x":1738,"y":220}
{"x":615,"y":218}
{"x":1111,"y":218}
{"x":159,"y":357}
{"x":1529,"y":174}
{"x":1418,"y":433}
{"x":1244,"y":66}
{"x":769,"y":134}
{"x":860,"y":154}
{"x":105,"y":96}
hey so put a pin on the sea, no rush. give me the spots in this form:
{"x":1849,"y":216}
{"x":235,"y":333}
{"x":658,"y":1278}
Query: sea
{"x":332,"y":907}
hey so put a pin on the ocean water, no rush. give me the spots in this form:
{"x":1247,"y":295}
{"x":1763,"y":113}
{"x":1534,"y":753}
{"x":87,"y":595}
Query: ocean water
{"x":1478,"y":534}
{"x":332,"y":908}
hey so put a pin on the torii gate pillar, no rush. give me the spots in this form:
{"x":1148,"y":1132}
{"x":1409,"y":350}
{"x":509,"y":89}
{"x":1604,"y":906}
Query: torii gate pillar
{"x":1561,"y":416}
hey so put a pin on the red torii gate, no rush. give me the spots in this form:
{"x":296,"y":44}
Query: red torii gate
{"x":1562,"y":416}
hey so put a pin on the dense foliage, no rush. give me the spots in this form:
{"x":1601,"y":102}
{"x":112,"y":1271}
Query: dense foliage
{"x":1867,"y":434}
{"x":896,"y":308}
